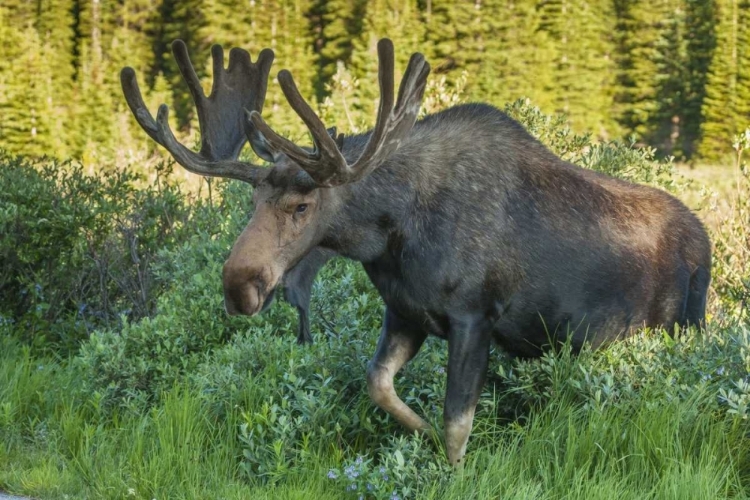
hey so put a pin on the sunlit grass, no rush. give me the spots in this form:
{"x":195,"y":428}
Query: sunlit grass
{"x":54,"y":445}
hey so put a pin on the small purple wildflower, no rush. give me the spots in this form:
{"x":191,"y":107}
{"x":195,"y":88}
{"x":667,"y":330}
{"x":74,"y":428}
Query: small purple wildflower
{"x":382,"y":470}
{"x":720,"y":371}
{"x":395,"y":496}
{"x":332,"y":474}
{"x":359,"y":460}
{"x":350,"y":472}
{"x":352,"y":487}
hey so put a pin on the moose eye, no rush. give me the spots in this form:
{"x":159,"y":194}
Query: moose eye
{"x":301,"y":208}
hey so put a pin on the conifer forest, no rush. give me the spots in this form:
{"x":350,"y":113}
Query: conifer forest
{"x":674,"y":74}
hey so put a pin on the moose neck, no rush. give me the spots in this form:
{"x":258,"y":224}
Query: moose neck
{"x":368,"y":212}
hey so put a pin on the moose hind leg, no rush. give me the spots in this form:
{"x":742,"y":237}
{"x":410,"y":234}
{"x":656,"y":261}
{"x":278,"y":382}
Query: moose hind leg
{"x":396,"y":346}
{"x":468,"y":356}
{"x":695,"y":311}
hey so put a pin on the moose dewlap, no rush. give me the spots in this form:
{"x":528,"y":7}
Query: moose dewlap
{"x":468,"y":227}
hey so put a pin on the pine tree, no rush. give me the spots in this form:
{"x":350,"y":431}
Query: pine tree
{"x":334,"y":23}
{"x":293,"y":45}
{"x":725,"y":108}
{"x":638,"y":31}
{"x":582,"y":69}
{"x":54,"y":25}
{"x":743,"y":66}
{"x":518,"y":57}
{"x":700,"y":25}
{"x":454,"y":36}
{"x":183,"y":19}
{"x":26,"y":113}
{"x":664,"y":126}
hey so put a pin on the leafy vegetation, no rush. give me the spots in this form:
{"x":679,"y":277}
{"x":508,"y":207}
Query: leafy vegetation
{"x":176,"y":399}
{"x":78,"y":251}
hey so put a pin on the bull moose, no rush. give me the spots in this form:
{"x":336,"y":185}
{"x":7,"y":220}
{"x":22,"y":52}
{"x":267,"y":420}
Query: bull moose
{"x":468,"y":227}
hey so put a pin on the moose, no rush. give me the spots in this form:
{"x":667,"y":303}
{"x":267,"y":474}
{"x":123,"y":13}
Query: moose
{"x":468,"y":227}
{"x":297,"y":284}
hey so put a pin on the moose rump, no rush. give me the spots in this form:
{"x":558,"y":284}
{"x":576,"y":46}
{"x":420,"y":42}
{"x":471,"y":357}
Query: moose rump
{"x":469,"y":228}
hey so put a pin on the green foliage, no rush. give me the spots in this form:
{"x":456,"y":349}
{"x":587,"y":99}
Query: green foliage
{"x":647,"y":368}
{"x":26,"y":113}
{"x":616,"y":158}
{"x":335,"y":24}
{"x":732,"y":243}
{"x":726,"y":110}
{"x":132,"y":363}
{"x":580,"y":44}
{"x":647,"y":415}
{"x":77,"y":250}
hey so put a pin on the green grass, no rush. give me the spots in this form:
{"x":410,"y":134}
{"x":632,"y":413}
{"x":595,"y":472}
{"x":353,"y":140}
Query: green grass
{"x":53,"y":447}
{"x":57,"y":445}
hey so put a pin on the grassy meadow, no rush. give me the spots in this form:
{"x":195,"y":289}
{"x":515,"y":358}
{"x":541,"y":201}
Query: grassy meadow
{"x":121,"y":377}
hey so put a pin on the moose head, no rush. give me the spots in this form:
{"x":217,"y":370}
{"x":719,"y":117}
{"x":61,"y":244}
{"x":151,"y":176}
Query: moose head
{"x":296,"y":199}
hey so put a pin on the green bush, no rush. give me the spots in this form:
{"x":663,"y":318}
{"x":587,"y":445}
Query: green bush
{"x":77,"y":250}
{"x":617,"y":158}
{"x":732,"y":243}
{"x":134,"y":361}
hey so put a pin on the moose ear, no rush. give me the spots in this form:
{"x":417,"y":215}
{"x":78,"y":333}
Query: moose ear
{"x":259,"y":143}
{"x":338,"y":138}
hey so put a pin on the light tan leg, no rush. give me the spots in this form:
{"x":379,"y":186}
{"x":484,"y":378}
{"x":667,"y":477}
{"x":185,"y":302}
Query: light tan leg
{"x":457,"y":431}
{"x":395,"y":347}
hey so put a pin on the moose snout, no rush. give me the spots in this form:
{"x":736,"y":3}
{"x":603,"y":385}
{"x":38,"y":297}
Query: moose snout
{"x":244,"y":300}
{"x":244,"y":292}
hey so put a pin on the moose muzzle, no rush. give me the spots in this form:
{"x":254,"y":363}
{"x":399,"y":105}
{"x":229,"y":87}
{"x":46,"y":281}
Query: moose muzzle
{"x":255,"y":265}
{"x":242,"y":298}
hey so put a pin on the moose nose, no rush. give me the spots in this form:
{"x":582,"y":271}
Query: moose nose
{"x":243,"y":290}
{"x":244,"y":299}
{"x":229,"y":305}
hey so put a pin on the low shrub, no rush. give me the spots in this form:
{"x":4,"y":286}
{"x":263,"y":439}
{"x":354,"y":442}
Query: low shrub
{"x":77,"y":250}
{"x":732,"y":244}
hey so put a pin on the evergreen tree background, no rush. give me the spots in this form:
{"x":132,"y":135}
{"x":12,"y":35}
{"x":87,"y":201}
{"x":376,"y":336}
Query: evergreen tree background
{"x":673,"y":73}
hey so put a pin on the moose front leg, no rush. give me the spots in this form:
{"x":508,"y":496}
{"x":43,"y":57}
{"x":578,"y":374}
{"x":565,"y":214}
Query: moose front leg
{"x":397,"y":345}
{"x":468,"y":356}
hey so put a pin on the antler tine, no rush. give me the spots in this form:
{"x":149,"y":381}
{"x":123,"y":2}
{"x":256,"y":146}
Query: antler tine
{"x":160,"y":131}
{"x":326,"y":151}
{"x":392,"y":124}
{"x":325,"y":164}
{"x":220,"y":115}
{"x":181,"y":56}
